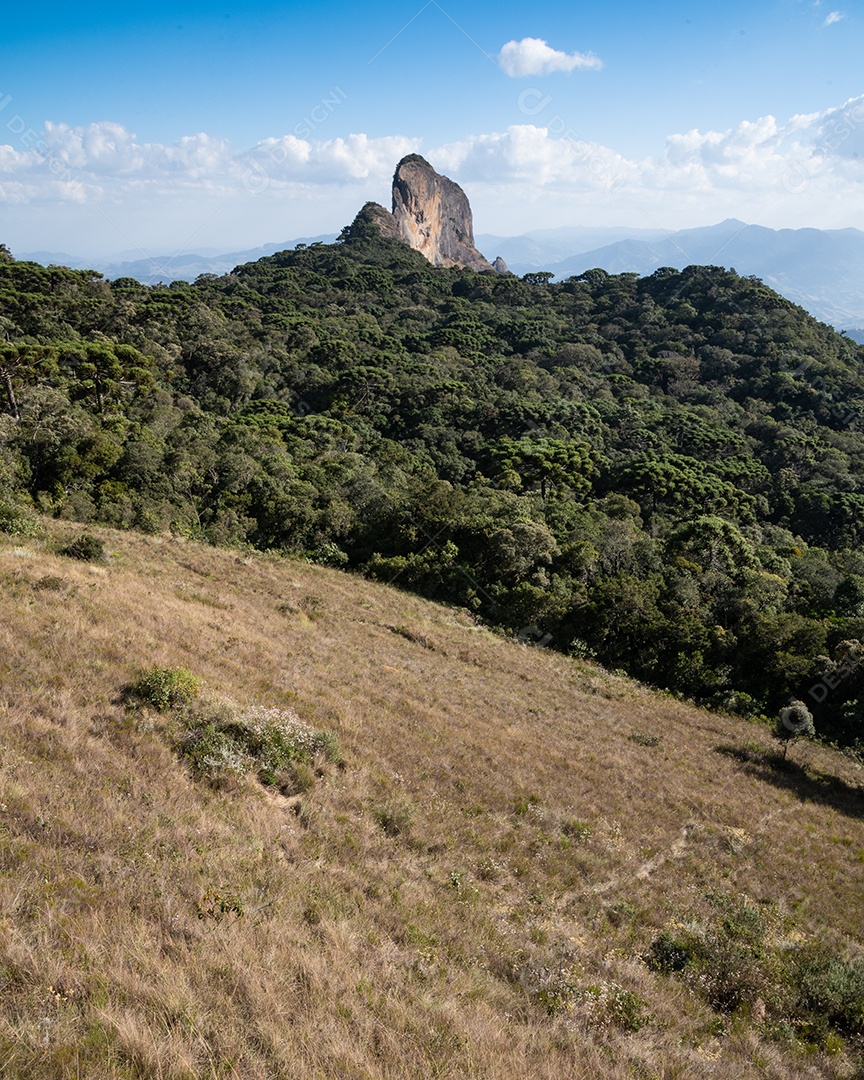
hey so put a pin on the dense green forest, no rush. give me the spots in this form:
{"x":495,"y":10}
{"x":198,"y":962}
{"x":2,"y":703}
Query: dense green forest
{"x":665,"y":473}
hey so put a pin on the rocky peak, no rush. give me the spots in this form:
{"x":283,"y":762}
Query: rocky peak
{"x":431,"y":214}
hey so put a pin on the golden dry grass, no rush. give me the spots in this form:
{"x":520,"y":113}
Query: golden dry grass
{"x":531,"y":817}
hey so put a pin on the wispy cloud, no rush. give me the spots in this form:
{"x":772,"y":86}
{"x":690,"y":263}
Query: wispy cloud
{"x":106,"y":156}
{"x":833,"y":17}
{"x":533,"y":56}
{"x":804,"y":167}
{"x":81,"y":162}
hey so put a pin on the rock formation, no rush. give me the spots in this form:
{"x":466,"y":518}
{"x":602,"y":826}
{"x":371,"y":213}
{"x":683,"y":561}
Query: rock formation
{"x":432,"y":215}
{"x":376,"y":214}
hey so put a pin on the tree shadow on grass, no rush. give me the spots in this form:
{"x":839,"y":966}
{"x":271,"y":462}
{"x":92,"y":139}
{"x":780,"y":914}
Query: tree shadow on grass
{"x":803,"y":781}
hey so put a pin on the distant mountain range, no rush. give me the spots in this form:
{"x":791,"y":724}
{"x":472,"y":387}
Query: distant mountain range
{"x":540,"y":249}
{"x":822,"y":270}
{"x":183,"y":266}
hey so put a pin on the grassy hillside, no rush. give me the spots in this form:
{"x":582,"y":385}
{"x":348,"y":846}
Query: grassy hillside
{"x":522,"y":867}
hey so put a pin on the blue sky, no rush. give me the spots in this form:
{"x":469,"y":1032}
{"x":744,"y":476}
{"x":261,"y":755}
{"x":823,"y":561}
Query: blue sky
{"x":159,"y":126}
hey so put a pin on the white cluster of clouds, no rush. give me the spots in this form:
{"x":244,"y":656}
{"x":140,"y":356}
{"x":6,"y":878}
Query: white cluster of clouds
{"x":810,"y":169}
{"x":535,"y":154}
{"x":818,"y":158}
{"x":356,"y":157}
{"x":103,"y":156}
{"x":533,"y":56}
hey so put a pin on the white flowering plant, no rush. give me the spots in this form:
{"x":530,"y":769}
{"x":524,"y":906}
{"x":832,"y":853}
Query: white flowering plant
{"x":226,"y":739}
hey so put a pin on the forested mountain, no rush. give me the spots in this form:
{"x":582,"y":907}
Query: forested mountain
{"x":820,"y":269}
{"x":664,"y":472}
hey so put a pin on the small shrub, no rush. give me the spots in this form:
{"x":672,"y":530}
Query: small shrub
{"x":828,"y":986}
{"x":295,"y":780}
{"x":626,"y":1009}
{"x":85,"y":547}
{"x":220,"y":740}
{"x":581,"y":650}
{"x":166,"y":688}
{"x":216,"y":906}
{"x":558,"y":990}
{"x":395,"y":818}
{"x":810,"y":993}
{"x":329,"y":554}
{"x":725,"y":961}
{"x":213,"y":753}
{"x":525,"y":803}
{"x":312,"y":607}
{"x":489,"y":869}
{"x":620,"y":913}
{"x":413,"y":636}
{"x":668,"y":954}
{"x":577,"y":830}
{"x":735,"y":702}
{"x":50,"y":583}
{"x":17,"y":520}
{"x":602,"y":1004}
{"x":642,"y":739}
{"x":278,"y":737}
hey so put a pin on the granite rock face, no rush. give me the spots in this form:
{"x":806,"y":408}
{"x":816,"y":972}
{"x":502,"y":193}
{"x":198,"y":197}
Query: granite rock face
{"x":432,"y":215}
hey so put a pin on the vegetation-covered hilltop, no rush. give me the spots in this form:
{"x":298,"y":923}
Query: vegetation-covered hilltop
{"x":474,"y":861}
{"x":664,"y":473}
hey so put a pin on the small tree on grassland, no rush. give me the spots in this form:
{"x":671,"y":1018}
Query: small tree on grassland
{"x":794,"y":721}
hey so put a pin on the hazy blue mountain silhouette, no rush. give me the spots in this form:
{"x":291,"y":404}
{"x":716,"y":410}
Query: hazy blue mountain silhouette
{"x":822,"y":270}
{"x":183,"y":266}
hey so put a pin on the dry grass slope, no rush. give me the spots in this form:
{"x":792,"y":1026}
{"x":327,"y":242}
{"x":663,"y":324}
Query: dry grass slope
{"x":471,"y":896}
